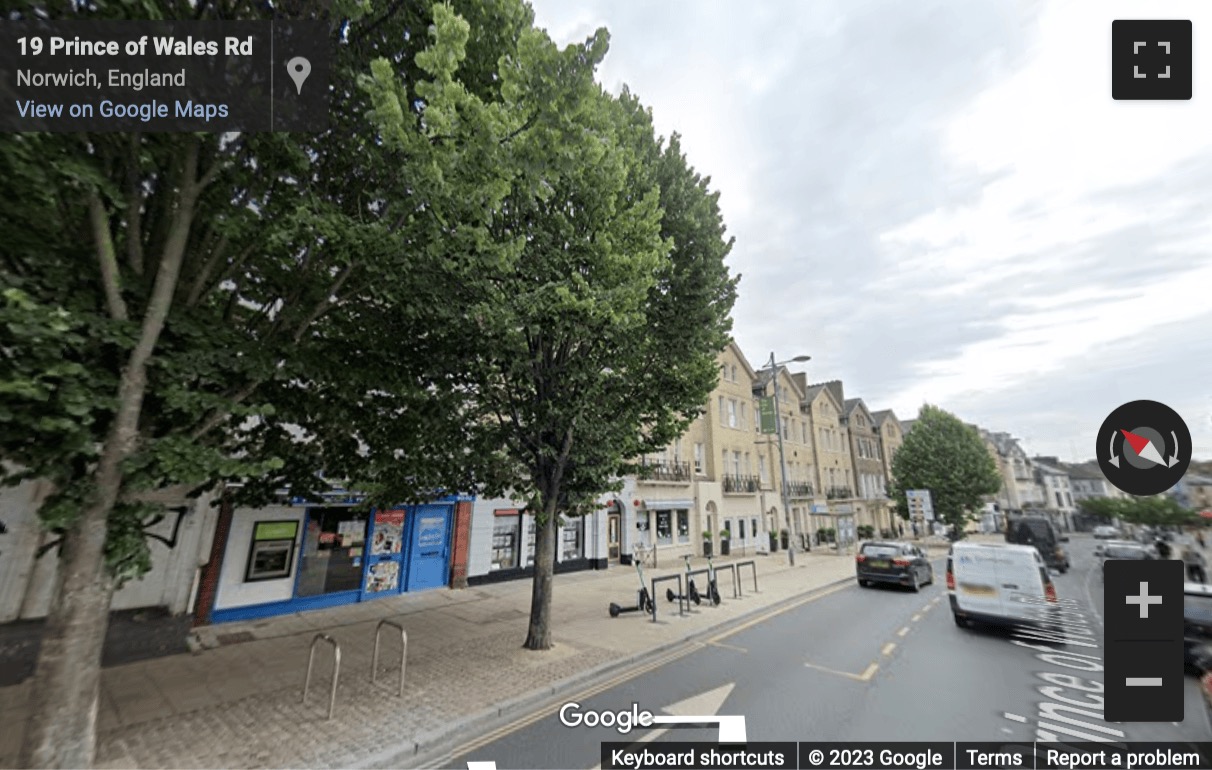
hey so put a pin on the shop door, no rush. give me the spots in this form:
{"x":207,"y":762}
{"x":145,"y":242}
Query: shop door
{"x":428,"y":546}
{"x":613,"y":528}
{"x":385,"y":554}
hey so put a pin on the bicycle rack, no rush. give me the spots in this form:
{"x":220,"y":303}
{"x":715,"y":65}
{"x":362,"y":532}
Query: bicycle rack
{"x":706,"y":573}
{"x":682,"y":601}
{"x":736,"y":580}
{"x":336,"y":669}
{"x":752,"y":565}
{"x":374,"y":660}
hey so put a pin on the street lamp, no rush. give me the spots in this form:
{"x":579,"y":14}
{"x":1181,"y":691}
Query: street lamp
{"x":778,"y":429}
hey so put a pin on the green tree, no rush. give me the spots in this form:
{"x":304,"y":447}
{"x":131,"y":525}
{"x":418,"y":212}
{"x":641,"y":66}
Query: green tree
{"x":181,"y":309}
{"x":597,"y":287}
{"x":947,"y":457}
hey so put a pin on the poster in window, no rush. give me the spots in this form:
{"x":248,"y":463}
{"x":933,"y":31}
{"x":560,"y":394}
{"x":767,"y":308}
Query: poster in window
{"x":383,"y":576}
{"x":271,"y":556}
{"x":389,"y":532}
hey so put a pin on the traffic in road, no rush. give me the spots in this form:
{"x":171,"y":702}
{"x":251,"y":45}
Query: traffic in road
{"x":854,"y":663}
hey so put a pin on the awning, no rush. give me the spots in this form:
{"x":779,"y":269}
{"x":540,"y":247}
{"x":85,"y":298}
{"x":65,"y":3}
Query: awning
{"x":666,"y":505}
{"x":1206,"y":514}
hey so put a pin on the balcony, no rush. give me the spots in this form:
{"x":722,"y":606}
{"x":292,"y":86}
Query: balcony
{"x":741,"y":485}
{"x":838,"y":493}
{"x":800,"y":489}
{"x":664,"y":470}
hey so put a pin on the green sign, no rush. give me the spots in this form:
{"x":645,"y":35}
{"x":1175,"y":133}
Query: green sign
{"x":276,"y":530}
{"x":766,"y":410}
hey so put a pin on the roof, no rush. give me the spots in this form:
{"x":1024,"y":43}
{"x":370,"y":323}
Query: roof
{"x":1013,"y":547}
{"x":882,"y":415}
{"x":907,"y":425}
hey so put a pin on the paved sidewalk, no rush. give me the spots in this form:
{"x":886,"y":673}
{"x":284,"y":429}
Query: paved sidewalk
{"x":235,"y":701}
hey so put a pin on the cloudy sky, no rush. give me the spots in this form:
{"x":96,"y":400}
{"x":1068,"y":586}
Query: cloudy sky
{"x":940,"y":202}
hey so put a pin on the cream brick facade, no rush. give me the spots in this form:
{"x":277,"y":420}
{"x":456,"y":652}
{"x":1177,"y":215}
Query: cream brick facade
{"x":871,"y":504}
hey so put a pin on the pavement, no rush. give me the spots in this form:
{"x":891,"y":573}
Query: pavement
{"x":235,"y":701}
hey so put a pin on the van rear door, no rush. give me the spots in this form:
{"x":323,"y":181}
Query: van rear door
{"x":977,"y":587}
{"x":1023,"y":576}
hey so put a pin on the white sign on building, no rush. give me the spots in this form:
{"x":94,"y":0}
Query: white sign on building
{"x":920,"y":505}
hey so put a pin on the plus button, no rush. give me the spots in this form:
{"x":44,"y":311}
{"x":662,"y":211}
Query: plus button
{"x":1144,"y":600}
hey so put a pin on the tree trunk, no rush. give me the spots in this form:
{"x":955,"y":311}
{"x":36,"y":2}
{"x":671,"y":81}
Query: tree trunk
{"x":539,"y":634}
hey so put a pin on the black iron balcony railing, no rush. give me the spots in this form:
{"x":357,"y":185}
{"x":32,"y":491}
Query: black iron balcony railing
{"x":800,"y":489}
{"x":838,"y":493}
{"x":741,"y":484}
{"x":664,"y":470}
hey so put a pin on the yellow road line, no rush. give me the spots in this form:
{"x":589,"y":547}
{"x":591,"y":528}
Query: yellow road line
{"x":728,"y":646}
{"x":888,"y":648}
{"x":903,"y":631}
{"x":863,"y":677}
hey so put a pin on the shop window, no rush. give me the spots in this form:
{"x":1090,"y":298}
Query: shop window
{"x":683,"y":526}
{"x":272,"y":554}
{"x":571,"y":538}
{"x":506,"y":538}
{"x":332,"y":551}
{"x":664,"y":525}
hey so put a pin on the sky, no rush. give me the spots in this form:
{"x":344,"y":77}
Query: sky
{"x":940,"y":202}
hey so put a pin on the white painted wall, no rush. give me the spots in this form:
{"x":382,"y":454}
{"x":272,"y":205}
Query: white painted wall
{"x":233,"y":591}
{"x":27,"y":582}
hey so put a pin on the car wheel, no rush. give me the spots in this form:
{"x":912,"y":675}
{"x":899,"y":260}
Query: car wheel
{"x":961,"y":622}
{"x":917,"y":583}
{"x":862,"y":583}
{"x":931,"y":580}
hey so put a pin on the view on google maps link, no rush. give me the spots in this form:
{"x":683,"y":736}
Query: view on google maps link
{"x":580,"y":384}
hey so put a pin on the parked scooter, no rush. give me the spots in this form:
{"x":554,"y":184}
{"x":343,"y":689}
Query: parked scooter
{"x":643,"y":603}
{"x":713,"y":589}
{"x":692,"y":593}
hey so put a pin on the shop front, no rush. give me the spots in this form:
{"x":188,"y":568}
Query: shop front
{"x":514,"y":533}
{"x":294,"y":557}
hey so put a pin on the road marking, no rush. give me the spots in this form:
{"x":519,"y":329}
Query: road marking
{"x":888,"y":648}
{"x":916,"y":617}
{"x":1014,"y":717}
{"x":544,"y":711}
{"x":728,"y":646}
{"x":903,"y":631}
{"x":863,"y":677}
{"x":927,"y":608}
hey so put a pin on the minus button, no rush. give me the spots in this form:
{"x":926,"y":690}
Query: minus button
{"x":1143,"y":681}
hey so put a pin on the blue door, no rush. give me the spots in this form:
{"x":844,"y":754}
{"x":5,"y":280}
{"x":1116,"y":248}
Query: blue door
{"x":384,"y":554}
{"x":428,"y":546}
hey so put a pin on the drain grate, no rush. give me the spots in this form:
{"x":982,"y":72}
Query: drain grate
{"x":236,"y":638}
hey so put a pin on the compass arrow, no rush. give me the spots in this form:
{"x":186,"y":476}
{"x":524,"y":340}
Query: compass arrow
{"x":1144,"y":447}
{"x":1174,"y":457}
{"x":1114,"y":457}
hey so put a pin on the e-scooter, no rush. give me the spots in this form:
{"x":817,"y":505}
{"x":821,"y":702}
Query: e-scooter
{"x":713,"y":590}
{"x":692,"y":593}
{"x":643,"y":603}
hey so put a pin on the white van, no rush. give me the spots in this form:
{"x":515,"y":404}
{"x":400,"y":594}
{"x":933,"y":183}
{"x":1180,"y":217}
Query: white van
{"x":998,"y":583}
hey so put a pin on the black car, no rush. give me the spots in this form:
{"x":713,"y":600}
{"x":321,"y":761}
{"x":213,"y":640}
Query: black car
{"x":893,"y":562}
{"x":1041,"y":533}
{"x":1197,"y":623}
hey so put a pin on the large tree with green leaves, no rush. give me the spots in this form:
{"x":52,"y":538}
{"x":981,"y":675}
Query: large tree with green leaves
{"x":181,"y":309}
{"x":598,"y":288}
{"x":949,"y":458}
{"x":1156,"y":511}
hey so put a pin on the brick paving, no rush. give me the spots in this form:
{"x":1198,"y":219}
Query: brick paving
{"x":238,"y":704}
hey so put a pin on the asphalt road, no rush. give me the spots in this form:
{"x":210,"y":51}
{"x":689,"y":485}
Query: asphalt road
{"x":855,"y":664}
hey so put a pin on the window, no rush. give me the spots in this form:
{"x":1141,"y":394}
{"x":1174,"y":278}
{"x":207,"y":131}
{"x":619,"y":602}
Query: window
{"x":736,"y":463}
{"x":753,"y":527}
{"x":741,"y":531}
{"x":723,"y":412}
{"x":762,"y":470}
{"x":683,"y":526}
{"x":664,"y":527}
{"x":732,"y":413}
{"x":803,"y":432}
{"x":734,"y":372}
{"x":1060,"y":503}
{"x":728,"y":525}
{"x":724,"y":461}
{"x":698,"y":458}
{"x":742,"y":424}
{"x":748,"y":467}
{"x":1068,"y":500}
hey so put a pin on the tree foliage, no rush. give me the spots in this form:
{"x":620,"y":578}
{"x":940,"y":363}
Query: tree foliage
{"x":949,"y":458}
{"x":1157,"y":511}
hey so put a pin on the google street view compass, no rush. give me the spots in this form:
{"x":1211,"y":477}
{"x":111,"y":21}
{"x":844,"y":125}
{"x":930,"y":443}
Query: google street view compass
{"x":1144,"y":448}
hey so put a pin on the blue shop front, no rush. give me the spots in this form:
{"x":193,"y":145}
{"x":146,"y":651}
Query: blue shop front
{"x":302,"y":555}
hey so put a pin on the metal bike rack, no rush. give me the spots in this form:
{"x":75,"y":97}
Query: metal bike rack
{"x":681,"y":601}
{"x":752,"y":565}
{"x":336,"y":669}
{"x":736,"y":581}
{"x":374,"y":660}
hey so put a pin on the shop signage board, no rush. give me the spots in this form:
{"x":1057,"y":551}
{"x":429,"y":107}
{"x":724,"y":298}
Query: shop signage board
{"x":920,"y":505}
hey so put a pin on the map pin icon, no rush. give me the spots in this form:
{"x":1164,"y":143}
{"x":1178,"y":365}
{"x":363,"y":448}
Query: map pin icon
{"x":298,"y":68}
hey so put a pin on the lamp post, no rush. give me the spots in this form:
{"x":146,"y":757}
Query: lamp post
{"x":778,"y":429}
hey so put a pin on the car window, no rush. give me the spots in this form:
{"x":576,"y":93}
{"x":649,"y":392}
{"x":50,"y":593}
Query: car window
{"x":1198,"y":608}
{"x":1125,"y":553}
{"x":880,"y":550}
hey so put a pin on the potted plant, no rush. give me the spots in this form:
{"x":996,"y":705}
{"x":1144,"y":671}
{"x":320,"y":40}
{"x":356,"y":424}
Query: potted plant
{"x":725,"y":535}
{"x":785,"y":536}
{"x":774,"y":542}
{"x":866,"y":531}
{"x":706,"y":542}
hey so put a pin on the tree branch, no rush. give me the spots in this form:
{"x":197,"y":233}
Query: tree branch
{"x":108,"y":260}
{"x":134,"y":208}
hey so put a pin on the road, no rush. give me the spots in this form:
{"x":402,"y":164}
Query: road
{"x":857,"y":664}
